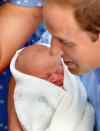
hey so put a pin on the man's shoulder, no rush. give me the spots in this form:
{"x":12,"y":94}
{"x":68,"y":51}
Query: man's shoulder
{"x":97,"y":74}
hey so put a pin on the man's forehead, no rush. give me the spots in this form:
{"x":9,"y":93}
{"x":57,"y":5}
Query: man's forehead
{"x":57,"y":18}
{"x":62,"y":25}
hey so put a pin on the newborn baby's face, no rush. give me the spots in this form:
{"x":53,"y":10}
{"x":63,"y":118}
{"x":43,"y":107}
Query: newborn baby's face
{"x":50,"y":69}
{"x":54,"y":75}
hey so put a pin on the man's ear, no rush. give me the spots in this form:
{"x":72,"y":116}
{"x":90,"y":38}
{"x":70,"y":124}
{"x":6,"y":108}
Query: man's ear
{"x":98,"y":39}
{"x":99,"y":36}
{"x":94,"y":37}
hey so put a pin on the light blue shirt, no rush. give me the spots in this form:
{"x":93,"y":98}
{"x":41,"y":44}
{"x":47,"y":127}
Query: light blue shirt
{"x":91,"y":82}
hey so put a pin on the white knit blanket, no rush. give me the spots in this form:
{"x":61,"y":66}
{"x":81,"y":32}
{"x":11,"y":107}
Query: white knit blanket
{"x":43,"y":106}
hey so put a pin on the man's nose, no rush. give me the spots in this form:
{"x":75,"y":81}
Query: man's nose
{"x":55,"y":48}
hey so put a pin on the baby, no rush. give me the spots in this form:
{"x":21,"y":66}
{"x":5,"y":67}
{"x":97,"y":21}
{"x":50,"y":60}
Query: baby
{"x":36,"y":60}
{"x":43,"y":106}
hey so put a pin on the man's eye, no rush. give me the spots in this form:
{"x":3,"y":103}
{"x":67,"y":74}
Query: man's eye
{"x":63,"y":42}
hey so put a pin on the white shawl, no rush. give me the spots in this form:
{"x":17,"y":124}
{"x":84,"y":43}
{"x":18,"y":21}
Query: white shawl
{"x":43,"y":106}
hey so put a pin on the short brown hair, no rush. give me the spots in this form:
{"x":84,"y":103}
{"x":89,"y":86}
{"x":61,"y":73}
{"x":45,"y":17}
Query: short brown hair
{"x":87,"y":13}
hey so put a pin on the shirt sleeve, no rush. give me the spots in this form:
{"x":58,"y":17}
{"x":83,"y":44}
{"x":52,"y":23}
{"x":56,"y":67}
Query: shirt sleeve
{"x":29,"y":3}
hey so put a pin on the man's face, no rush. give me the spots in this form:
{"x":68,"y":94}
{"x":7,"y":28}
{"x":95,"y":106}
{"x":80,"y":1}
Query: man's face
{"x":79,"y":52}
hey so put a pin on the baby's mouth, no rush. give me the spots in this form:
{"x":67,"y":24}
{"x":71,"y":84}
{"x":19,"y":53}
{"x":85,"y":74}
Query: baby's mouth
{"x":59,"y":83}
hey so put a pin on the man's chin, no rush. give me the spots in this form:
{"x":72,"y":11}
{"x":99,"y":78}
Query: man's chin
{"x":76,"y":71}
